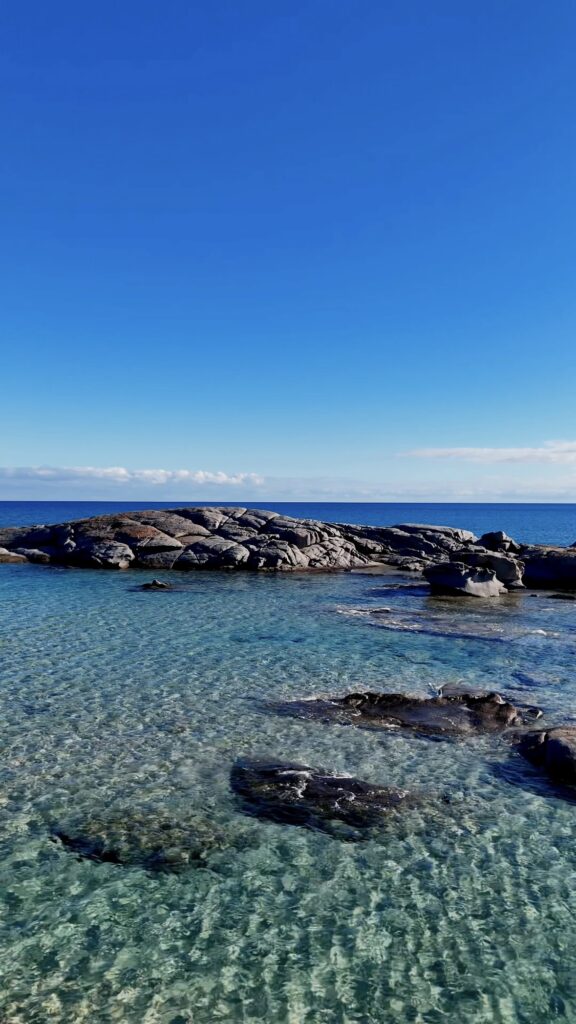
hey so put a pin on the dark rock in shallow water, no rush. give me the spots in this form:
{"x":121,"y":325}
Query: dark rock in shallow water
{"x":553,"y":750}
{"x":156,"y":585}
{"x":295,"y":794}
{"x":148,"y":840}
{"x":459,"y":714}
{"x":550,"y":568}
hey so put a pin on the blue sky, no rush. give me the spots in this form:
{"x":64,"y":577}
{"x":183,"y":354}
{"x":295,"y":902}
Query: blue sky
{"x":291,"y":249}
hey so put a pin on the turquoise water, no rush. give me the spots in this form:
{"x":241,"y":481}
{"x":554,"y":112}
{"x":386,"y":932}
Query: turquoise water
{"x":116,"y":702}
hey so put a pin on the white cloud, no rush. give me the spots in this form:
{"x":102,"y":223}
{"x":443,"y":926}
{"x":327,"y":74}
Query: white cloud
{"x":121,"y":475}
{"x":560,"y":452}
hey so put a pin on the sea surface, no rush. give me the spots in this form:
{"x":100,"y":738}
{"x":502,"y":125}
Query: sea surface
{"x":117,"y":704}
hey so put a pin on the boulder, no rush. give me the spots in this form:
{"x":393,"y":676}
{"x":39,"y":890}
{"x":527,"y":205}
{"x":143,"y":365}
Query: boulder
{"x":459,"y":578}
{"x":101,"y":554}
{"x":296,"y":794}
{"x":497,"y":540}
{"x":35,"y":555}
{"x":553,"y":750}
{"x":457,"y":714}
{"x":508,"y":570}
{"x":550,"y":568}
{"x":11,"y":556}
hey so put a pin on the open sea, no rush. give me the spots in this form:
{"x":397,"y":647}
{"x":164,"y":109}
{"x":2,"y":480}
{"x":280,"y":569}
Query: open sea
{"x":118,"y":705}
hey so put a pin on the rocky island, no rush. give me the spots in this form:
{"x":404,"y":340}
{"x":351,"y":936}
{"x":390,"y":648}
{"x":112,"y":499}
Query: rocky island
{"x":452,"y":560}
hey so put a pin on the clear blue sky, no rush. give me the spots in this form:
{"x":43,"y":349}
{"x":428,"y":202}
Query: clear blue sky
{"x":299,"y":240}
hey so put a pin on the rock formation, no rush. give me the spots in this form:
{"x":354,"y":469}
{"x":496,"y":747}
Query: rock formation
{"x":227,"y":538}
{"x":453,"y":560}
{"x":296,"y":794}
{"x":553,"y":750}
{"x":459,"y":714}
{"x":459,"y":578}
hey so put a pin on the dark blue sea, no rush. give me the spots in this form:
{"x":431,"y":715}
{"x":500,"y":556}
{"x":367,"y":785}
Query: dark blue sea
{"x":123,"y":711}
{"x":528,"y":523}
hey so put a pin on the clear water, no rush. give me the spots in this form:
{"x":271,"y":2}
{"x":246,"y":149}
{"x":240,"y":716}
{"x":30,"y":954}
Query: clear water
{"x":116,"y":701}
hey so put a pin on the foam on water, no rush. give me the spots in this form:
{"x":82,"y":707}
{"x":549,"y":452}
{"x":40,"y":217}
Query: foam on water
{"x":117,"y":702}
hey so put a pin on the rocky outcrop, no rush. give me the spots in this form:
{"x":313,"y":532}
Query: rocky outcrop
{"x":228,"y":538}
{"x":453,"y":560}
{"x":296,"y":794}
{"x":461,"y":579}
{"x":458,"y":714}
{"x":553,"y":750}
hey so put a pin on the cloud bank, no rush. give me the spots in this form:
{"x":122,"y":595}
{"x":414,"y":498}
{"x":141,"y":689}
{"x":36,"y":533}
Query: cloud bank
{"x":560,"y":452}
{"x":118,"y":483}
{"x":121,"y":475}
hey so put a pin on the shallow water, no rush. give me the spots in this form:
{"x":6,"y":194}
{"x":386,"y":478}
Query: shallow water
{"x":115,"y":701}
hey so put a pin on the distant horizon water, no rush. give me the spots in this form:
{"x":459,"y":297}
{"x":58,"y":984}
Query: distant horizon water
{"x":529,"y":522}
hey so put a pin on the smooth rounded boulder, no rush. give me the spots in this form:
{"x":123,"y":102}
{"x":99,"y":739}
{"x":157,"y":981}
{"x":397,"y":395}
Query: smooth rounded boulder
{"x":457,"y":578}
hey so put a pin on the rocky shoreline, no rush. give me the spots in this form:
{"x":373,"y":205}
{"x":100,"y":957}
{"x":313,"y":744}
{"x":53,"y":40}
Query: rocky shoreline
{"x":453,"y":561}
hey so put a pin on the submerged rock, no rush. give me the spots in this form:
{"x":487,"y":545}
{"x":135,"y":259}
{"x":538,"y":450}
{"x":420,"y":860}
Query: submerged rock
{"x":553,"y":750}
{"x":148,"y":840}
{"x":296,"y":794}
{"x":156,"y":585}
{"x":458,"y":578}
{"x":457,"y":714}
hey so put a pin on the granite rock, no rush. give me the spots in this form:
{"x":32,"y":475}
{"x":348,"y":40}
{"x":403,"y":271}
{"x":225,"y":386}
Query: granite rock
{"x":257,"y":539}
{"x":508,"y":569}
{"x":457,"y":714}
{"x":552,"y":568}
{"x":458,"y":578}
{"x":296,"y":794}
{"x":553,"y":750}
